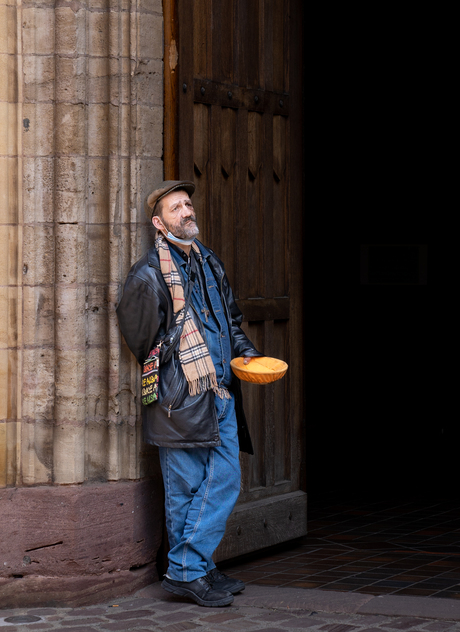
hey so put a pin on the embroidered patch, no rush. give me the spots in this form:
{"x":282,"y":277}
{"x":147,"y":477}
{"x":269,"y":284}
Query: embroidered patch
{"x":150,"y":377}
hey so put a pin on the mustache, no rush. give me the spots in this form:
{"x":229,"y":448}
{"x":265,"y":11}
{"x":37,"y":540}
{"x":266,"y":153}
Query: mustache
{"x":188,"y":219}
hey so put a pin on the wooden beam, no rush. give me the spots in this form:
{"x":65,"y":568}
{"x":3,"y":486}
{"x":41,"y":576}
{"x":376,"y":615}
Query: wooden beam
{"x":171,"y":60}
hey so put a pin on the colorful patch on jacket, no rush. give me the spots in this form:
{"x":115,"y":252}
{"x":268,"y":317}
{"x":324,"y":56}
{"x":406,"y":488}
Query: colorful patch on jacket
{"x":150,"y":377}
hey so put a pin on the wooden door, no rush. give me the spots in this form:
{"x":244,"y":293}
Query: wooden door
{"x":233,"y":125}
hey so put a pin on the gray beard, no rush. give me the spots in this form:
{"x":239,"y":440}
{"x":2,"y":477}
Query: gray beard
{"x":188,"y":231}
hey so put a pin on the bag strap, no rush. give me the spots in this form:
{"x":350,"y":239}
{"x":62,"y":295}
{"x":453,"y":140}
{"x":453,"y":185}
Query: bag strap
{"x":171,"y":339}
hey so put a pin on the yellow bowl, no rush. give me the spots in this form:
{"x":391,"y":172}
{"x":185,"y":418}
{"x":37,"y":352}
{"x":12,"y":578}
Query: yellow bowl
{"x":261,"y":370}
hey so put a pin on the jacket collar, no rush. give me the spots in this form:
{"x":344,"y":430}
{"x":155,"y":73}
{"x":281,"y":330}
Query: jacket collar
{"x":154,"y":261}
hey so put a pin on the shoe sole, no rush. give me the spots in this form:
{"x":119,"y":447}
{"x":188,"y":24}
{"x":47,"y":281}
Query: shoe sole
{"x":183,"y":592}
{"x":237,"y":591}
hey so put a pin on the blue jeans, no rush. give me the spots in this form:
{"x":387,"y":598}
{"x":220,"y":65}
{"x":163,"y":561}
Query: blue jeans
{"x":201,"y":488}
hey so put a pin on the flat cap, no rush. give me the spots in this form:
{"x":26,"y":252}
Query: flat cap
{"x":162,"y":189}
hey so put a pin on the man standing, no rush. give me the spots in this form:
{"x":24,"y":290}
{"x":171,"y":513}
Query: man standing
{"x":198,"y":420}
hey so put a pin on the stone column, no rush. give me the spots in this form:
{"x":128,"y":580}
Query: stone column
{"x":81,"y":91}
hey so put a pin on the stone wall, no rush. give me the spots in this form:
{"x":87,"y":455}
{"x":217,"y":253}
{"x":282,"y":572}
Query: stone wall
{"x":81,"y":116}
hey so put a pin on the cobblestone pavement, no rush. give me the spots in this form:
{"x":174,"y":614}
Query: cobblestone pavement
{"x":258,"y":609}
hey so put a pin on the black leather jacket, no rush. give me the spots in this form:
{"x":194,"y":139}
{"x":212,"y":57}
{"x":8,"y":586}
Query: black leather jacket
{"x":145,"y":313}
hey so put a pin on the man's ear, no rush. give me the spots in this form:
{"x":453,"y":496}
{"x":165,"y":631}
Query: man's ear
{"x":157,"y":222}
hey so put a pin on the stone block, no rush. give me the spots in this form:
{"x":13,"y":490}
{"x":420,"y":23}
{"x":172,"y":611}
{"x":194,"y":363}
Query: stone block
{"x":148,"y":135}
{"x":38,"y":189}
{"x":38,"y":254}
{"x":68,"y":452}
{"x":98,"y":256}
{"x":38,"y":315}
{"x":3,"y":384}
{"x":119,"y":175}
{"x":120,"y":129}
{"x":120,"y":80}
{"x":71,"y":176}
{"x":38,"y":377}
{"x":119,"y":23}
{"x":8,"y":129}
{"x":4,"y":325}
{"x":8,"y":83}
{"x":97,"y":307}
{"x":70,"y":31}
{"x":148,"y":82}
{"x":70,"y":318}
{"x":99,"y":128}
{"x":98,"y":34}
{"x":38,"y":29}
{"x":8,"y":452}
{"x":39,"y":75}
{"x":38,"y":138}
{"x":97,"y":80}
{"x":76,"y":535}
{"x":41,"y":448}
{"x":150,"y":172}
{"x":98,"y":190}
{"x":70,"y":130}
{"x":8,"y":255}
{"x":70,"y":248}
{"x":70,"y":79}
{"x":152,"y":5}
{"x":150,"y":35}
{"x":8,"y":29}
{"x":9,"y":190}
{"x":97,"y":384}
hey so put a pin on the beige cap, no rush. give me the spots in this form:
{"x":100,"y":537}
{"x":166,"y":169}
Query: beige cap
{"x":162,"y":189}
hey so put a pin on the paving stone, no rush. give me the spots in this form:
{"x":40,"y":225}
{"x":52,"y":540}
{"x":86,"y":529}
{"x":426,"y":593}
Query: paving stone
{"x":88,"y":621}
{"x":338,"y":627}
{"x":174,"y":617}
{"x":234,"y":625}
{"x":126,"y":625}
{"x":220,"y":618}
{"x":42,"y":612}
{"x":303,"y":623}
{"x":86,"y":612}
{"x":84,"y":628}
{"x":274,"y":616}
{"x":168,"y":606}
{"x":131,"y":614}
{"x":180,"y":627}
{"x":136,"y":603}
{"x":405,"y":623}
{"x":272,"y":630}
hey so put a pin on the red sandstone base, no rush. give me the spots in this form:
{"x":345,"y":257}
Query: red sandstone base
{"x":77,"y":545}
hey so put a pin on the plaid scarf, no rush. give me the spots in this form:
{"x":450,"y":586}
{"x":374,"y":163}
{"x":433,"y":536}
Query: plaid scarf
{"x":194,"y":356}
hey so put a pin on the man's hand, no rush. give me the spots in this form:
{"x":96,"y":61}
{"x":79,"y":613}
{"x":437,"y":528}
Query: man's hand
{"x":247,"y":360}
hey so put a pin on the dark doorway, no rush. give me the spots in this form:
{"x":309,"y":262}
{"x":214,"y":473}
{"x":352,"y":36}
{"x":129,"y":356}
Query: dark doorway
{"x":394,"y":264}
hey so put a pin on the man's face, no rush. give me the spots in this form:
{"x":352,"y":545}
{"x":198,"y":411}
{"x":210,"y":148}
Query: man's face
{"x":177,"y":215}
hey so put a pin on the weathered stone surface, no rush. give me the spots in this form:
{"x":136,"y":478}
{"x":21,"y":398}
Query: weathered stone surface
{"x":72,"y":591}
{"x":77,"y":156}
{"x":70,"y":531}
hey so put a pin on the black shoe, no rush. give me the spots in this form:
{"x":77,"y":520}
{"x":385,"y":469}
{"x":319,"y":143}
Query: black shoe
{"x":200,"y":591}
{"x":219,"y":581}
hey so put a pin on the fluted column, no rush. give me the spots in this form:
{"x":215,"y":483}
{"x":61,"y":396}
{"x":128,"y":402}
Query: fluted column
{"x":81,"y":112}
{"x":10,"y":245}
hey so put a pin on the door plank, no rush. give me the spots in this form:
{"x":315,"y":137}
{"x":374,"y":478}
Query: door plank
{"x":239,"y":134}
{"x":254,"y":526}
{"x":222,"y":40}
